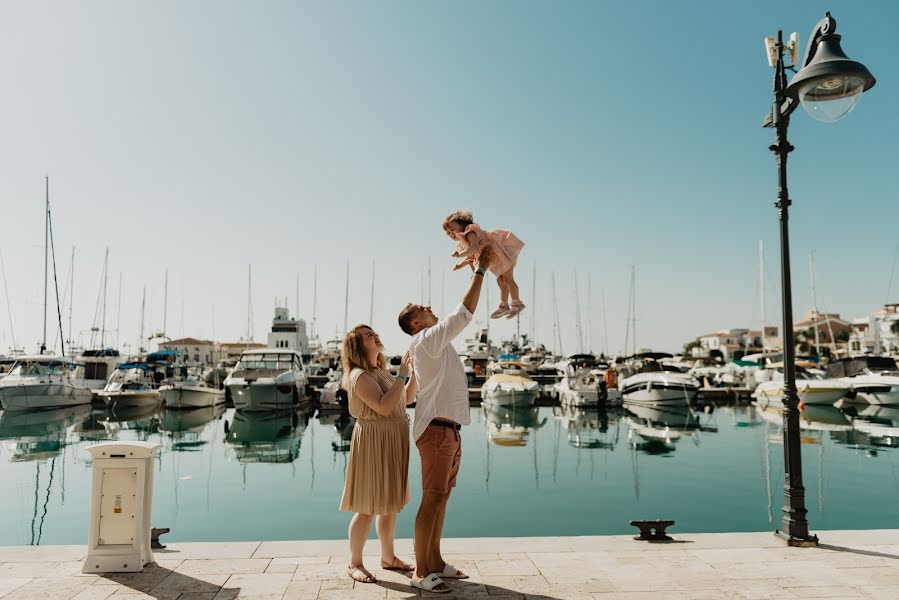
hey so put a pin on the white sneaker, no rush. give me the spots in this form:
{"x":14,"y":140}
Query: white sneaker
{"x":502,"y":310}
{"x":516,"y":308}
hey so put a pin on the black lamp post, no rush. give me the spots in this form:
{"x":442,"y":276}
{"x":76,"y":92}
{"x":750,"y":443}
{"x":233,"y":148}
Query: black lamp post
{"x":828,"y":85}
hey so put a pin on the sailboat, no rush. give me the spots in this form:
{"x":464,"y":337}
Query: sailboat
{"x":43,"y":381}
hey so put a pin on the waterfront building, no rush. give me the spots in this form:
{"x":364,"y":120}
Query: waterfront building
{"x":288,"y":333}
{"x":192,"y":352}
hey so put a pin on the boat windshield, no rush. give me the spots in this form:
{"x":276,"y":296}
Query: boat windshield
{"x":266,"y":361}
{"x":32,"y":369}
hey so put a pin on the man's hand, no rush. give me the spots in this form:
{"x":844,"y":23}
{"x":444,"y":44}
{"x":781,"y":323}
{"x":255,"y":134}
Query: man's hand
{"x":485,"y":258}
{"x":463,"y":264}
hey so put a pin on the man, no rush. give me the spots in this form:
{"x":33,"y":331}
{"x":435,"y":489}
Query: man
{"x":441,"y":410}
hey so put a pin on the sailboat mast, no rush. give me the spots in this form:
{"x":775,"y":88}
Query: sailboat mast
{"x":46,"y":251}
{"x":314,"y":299}
{"x":762,"y":288}
{"x":71,"y":294}
{"x":249,"y":303}
{"x":811,"y":264}
{"x":297,"y":313}
{"x":429,"y":281}
{"x":371,"y":303}
{"x":589,"y":314}
{"x":118,"y":312}
{"x":534,"y":303}
{"x":143,"y":310}
{"x":346,"y":300}
{"x":103,"y":310}
{"x":605,"y":323}
{"x":165,"y":303}
{"x":634,"y":307}
{"x":577,"y":315}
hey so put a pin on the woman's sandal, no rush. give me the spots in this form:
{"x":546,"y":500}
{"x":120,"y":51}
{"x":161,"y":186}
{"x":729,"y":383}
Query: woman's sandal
{"x":363,"y":575}
{"x":396,"y":565}
{"x":451,"y":572}
{"x":431,"y":583}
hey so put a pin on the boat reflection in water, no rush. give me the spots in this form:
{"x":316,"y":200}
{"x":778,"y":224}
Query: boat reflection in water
{"x":342,"y":434}
{"x":656,"y":429}
{"x":40,"y":434}
{"x":874,"y":428}
{"x":142,"y":420}
{"x":184,"y":427}
{"x":265,"y":437}
{"x":589,"y":428}
{"x":511,"y":426}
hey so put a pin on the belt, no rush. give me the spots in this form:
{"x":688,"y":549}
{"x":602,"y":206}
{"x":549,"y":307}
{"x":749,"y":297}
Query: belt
{"x":446,"y":424}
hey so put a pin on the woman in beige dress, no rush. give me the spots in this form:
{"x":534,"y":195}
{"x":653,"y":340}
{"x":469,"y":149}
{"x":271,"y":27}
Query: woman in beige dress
{"x":377,"y":475}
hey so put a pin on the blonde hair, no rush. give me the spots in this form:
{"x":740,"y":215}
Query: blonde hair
{"x":354,"y":356}
{"x":462,"y":217}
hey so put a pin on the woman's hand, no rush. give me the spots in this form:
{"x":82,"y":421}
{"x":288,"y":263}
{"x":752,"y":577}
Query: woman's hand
{"x":406,"y":364}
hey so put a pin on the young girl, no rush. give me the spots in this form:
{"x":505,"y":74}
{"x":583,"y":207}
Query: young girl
{"x":471,"y":239}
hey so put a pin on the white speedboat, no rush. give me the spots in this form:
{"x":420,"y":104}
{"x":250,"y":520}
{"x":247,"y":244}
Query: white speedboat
{"x":196,"y":391}
{"x":131,"y":385}
{"x":509,"y":385}
{"x":95,"y":367}
{"x":268,"y":379}
{"x":872,"y":379}
{"x":42,"y":382}
{"x":811,"y":389}
{"x":659,"y":385}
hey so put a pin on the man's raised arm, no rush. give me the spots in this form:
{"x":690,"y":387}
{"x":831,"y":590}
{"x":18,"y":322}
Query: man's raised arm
{"x":470,"y":300}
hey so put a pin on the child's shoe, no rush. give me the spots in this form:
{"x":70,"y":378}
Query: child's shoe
{"x":515,"y":309}
{"x":501,"y":311}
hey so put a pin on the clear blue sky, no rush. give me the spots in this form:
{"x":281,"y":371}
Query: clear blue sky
{"x":207,"y":136}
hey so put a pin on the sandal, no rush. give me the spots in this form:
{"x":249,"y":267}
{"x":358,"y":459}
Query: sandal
{"x":396,"y":565}
{"x":363,"y":575}
{"x":431,"y":583}
{"x":516,"y":307}
{"x":502,"y":310}
{"x":451,"y":572}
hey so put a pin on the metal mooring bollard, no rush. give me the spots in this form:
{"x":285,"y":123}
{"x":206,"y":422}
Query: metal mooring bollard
{"x":652,"y":530}
{"x":155,"y":532}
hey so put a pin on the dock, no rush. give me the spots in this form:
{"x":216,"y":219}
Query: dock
{"x":849,"y":565}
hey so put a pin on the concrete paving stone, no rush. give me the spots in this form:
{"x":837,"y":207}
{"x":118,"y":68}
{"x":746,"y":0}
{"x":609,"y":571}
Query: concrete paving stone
{"x":207,"y":550}
{"x":826,"y":592}
{"x":330,"y":571}
{"x":344,"y":583}
{"x":129,"y":594}
{"x":880,"y":592}
{"x":302,"y":590}
{"x":40,"y":569}
{"x":96,"y":592}
{"x":49,"y":588}
{"x":506,"y":567}
{"x":865,"y":576}
{"x":281,"y":549}
{"x":8,"y":584}
{"x":165,"y":563}
{"x":469,"y":556}
{"x":638,"y":596}
{"x":755,"y":590}
{"x":202,"y":583}
{"x":227,"y":565}
{"x":262,"y":586}
{"x":736,"y":555}
{"x":42,"y":553}
{"x":302,"y":560}
{"x":137,"y":582}
{"x":769,"y":570}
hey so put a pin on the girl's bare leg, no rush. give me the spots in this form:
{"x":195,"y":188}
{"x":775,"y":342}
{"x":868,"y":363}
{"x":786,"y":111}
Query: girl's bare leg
{"x":503,"y":289}
{"x":512,"y":287}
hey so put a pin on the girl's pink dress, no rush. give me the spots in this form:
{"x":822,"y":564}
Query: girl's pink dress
{"x":505,"y":246}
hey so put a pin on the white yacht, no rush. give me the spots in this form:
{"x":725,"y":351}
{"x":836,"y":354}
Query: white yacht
{"x":95,"y":367}
{"x":811,"y":389}
{"x":659,"y":384}
{"x":131,"y":385}
{"x":197,"y":390}
{"x":579,"y":385}
{"x":509,"y":385}
{"x":42,"y":382}
{"x":872,"y":379}
{"x":268,"y":379}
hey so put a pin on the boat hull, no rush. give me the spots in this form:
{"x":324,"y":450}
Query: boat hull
{"x":661,"y":396}
{"x":264,"y":397}
{"x":813,"y":396}
{"x":192,"y":397}
{"x":43,"y":396}
{"x":129,"y":399}
{"x":516,"y":398}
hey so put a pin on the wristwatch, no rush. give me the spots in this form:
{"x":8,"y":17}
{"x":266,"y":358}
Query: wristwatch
{"x":403,"y":378}
{"x":480,"y":271}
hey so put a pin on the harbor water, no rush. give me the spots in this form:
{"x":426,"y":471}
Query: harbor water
{"x":225,"y":475}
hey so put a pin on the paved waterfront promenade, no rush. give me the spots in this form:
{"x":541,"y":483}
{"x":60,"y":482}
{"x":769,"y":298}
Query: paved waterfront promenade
{"x":848,"y":564}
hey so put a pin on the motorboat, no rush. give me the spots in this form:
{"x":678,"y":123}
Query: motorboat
{"x":39,"y":434}
{"x":185,"y":427}
{"x":332,"y":396}
{"x":268,"y":379}
{"x":811,"y":388}
{"x":872,"y":379}
{"x":580,"y":382}
{"x":656,"y":383}
{"x":197,"y":390}
{"x":131,"y":385}
{"x":40,"y":381}
{"x":509,"y":385}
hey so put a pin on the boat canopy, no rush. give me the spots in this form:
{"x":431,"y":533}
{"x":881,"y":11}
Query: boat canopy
{"x":100,"y":353}
{"x":162,"y":356}
{"x":849,"y":367}
{"x":134,"y":366}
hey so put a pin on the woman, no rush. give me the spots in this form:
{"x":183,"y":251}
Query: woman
{"x":377,"y":476}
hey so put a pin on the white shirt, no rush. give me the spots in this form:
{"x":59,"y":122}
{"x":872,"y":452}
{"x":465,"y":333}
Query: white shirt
{"x":442,"y":385}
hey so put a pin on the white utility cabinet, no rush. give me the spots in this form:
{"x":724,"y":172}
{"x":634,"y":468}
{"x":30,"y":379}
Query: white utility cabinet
{"x":121,"y":507}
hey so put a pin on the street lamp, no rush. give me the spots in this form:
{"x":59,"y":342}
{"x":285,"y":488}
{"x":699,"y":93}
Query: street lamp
{"x":828,"y":85}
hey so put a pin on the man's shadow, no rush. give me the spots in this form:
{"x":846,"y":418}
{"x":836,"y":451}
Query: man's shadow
{"x":463,"y":588}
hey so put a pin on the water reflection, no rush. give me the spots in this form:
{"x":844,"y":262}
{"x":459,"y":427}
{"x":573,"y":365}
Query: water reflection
{"x":511,"y":426}
{"x":184,"y":428}
{"x":265,"y":437}
{"x":656,"y":429}
{"x":342,"y":432}
{"x":38,"y":435}
{"x":589,"y":429}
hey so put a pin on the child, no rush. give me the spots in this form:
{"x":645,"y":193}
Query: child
{"x":471,"y":239}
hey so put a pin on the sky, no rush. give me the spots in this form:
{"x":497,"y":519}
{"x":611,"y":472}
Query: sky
{"x":211,"y":137}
